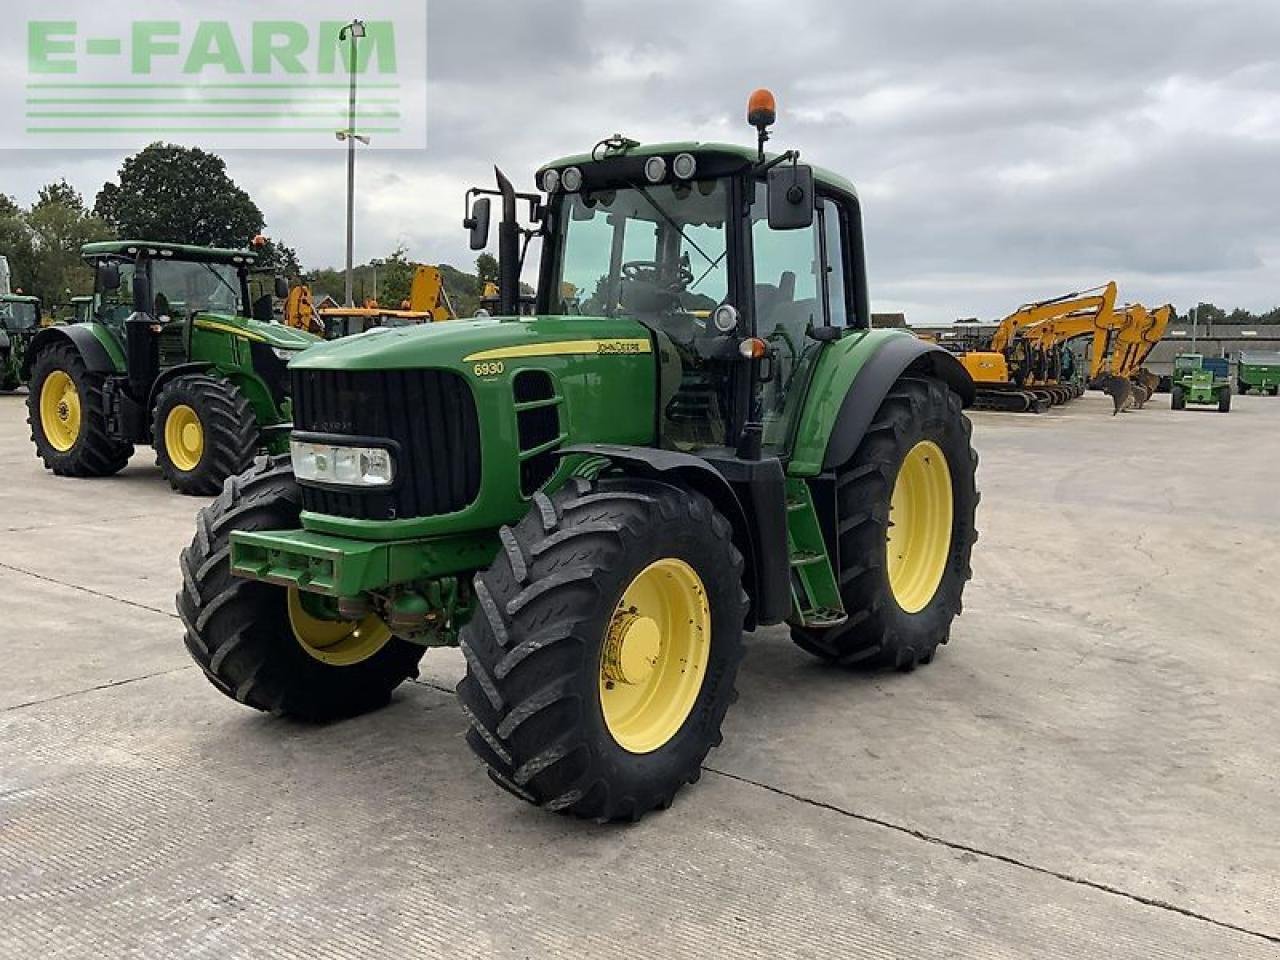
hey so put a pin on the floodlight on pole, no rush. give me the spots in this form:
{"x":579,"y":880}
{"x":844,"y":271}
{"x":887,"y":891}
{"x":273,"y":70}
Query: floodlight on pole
{"x":353,"y":31}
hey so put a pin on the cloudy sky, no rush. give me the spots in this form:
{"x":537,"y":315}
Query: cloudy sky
{"x":1005,"y":150}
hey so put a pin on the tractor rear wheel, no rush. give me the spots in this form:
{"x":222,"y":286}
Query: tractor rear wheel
{"x":1177,"y":398}
{"x":203,"y":431}
{"x":68,"y":418}
{"x":906,"y":505}
{"x":603,"y":653}
{"x":274,"y":648}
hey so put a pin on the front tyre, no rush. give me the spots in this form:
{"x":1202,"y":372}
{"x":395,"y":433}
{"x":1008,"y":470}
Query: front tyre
{"x":68,"y":419}
{"x":602,"y":657}
{"x":906,"y":505}
{"x":204,"y":431}
{"x":270,"y":647}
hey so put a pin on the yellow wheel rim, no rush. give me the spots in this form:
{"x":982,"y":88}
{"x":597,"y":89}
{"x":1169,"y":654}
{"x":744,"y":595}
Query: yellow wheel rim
{"x":655,"y":655}
{"x":919,"y":526}
{"x":184,"y":438}
{"x":339,"y":643}
{"x":60,"y":411}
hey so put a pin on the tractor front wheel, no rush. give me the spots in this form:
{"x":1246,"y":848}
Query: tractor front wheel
{"x":1224,"y":400}
{"x":68,"y":418}
{"x":602,"y":656}
{"x":204,"y":431}
{"x":274,"y":648}
{"x":1177,"y":398}
{"x":906,"y":505}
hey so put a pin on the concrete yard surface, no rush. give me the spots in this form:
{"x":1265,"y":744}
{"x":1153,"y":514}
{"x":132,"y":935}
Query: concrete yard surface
{"x":1088,"y":770}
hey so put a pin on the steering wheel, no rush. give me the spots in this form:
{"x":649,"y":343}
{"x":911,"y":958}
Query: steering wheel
{"x":646,"y":271}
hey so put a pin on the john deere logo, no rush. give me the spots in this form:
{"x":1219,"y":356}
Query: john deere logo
{"x":95,"y":78}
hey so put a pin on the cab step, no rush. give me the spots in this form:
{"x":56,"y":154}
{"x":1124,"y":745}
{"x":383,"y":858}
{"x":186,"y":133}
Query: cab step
{"x":815,"y":594}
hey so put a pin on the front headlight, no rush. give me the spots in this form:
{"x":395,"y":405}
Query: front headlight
{"x":284,"y":354}
{"x":341,"y":465}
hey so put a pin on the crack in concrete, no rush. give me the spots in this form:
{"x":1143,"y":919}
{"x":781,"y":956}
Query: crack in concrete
{"x":1000,"y":857}
{"x":88,"y":590}
{"x":101,"y":686}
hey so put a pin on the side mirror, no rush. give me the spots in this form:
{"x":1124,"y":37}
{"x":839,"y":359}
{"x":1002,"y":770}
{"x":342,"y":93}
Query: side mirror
{"x":791,"y":203}
{"x":282,"y":288}
{"x":478,"y":223}
{"x":108,"y":276}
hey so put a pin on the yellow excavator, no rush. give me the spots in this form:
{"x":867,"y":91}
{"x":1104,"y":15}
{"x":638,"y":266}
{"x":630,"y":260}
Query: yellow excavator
{"x":1021,"y":374}
{"x":428,"y":303}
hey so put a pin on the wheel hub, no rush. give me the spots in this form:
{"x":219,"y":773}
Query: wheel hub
{"x":632,"y":648}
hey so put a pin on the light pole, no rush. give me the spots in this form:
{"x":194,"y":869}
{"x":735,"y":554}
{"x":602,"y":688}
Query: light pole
{"x":375,"y":264}
{"x":354,"y":31}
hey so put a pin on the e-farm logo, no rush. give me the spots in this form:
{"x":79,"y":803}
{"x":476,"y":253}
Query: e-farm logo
{"x":95,"y":79}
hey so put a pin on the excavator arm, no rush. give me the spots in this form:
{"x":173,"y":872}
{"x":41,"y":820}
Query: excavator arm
{"x":1099,"y":300}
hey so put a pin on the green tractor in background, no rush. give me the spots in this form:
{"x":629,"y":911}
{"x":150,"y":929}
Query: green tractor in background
{"x":19,"y":321}
{"x":697,"y":433}
{"x":168,"y":355}
{"x":1200,"y":381}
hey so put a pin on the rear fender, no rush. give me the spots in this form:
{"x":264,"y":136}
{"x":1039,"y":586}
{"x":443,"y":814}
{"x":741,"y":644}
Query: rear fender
{"x":852,"y":379}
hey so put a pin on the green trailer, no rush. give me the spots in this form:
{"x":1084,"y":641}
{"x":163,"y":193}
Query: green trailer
{"x":1200,"y":381}
{"x":1260,"y":371}
{"x":165,"y":353}
{"x":19,"y":321}
{"x":697,"y":433}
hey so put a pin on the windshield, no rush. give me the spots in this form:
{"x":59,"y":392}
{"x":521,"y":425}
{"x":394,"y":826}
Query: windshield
{"x":18,"y":316}
{"x":183,"y":289}
{"x":656,"y":253}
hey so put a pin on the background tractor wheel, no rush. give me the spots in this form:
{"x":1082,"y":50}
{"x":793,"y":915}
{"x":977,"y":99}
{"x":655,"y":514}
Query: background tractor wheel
{"x":602,"y":657}
{"x":906,"y":505}
{"x":68,"y":422}
{"x":204,"y":431}
{"x":1224,"y":400}
{"x":270,"y":647}
{"x":1177,"y":398}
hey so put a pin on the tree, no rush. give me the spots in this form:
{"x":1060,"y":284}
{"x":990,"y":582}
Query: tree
{"x":43,"y":243}
{"x":279,"y":258}
{"x":179,"y":194}
{"x":487,"y":268}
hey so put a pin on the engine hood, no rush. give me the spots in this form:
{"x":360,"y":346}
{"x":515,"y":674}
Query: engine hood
{"x":273,"y":334}
{"x":488,"y":339}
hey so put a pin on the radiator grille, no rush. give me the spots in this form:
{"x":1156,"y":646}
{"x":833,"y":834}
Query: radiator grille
{"x":431,"y":414}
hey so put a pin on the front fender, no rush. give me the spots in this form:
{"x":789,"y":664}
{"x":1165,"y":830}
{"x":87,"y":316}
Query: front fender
{"x":852,"y":378}
{"x":100,"y":350}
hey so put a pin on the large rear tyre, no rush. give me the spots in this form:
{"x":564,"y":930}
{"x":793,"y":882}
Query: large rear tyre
{"x":204,"y":431}
{"x":68,"y":419}
{"x":906,"y":505}
{"x":602,"y":657}
{"x":270,"y":647}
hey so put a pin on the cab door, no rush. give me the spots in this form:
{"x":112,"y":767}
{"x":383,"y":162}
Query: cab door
{"x":801,"y":292}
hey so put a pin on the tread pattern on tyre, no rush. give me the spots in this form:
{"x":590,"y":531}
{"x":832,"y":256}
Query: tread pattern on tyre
{"x":878,"y":634}
{"x":237,"y":629}
{"x":230,"y":431}
{"x":95,"y":453}
{"x":534,"y":636}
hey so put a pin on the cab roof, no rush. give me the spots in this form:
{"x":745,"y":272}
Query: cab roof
{"x":18,"y":298}
{"x":174,"y":251}
{"x":720,"y":151}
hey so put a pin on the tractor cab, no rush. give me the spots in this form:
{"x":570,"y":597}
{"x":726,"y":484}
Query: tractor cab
{"x":739,"y":264}
{"x":19,"y":320}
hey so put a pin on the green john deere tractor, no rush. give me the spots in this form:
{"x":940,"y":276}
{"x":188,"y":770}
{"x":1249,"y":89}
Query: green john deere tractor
{"x":169,"y":356}
{"x":19,"y":321}
{"x":695,"y":435}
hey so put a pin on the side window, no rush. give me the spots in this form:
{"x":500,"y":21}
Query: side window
{"x":833,"y":251}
